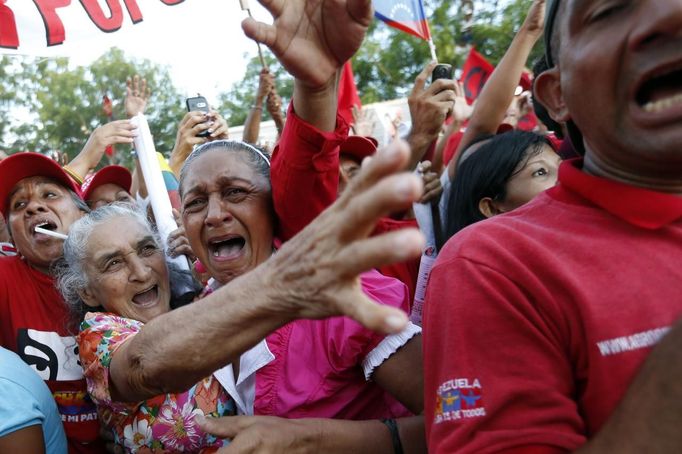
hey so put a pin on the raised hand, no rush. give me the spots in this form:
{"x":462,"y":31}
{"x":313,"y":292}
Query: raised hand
{"x":535,"y":20}
{"x":266,"y":83}
{"x":186,"y":139}
{"x":462,"y":110}
{"x":363,"y":122}
{"x":119,"y":131}
{"x":137,"y":95}
{"x":429,"y":107}
{"x":317,"y":270}
{"x":312,"y":38}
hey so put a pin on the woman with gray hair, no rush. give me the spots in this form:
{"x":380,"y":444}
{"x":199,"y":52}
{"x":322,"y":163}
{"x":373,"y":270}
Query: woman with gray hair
{"x":146,"y":367}
{"x":335,"y":378}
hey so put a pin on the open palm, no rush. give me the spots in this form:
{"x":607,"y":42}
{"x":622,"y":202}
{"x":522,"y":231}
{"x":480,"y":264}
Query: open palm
{"x":312,"y":38}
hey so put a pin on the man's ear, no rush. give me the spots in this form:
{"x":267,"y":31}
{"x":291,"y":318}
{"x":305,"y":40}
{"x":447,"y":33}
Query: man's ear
{"x":547,"y":89}
{"x":488,"y":208}
{"x":88,"y":298}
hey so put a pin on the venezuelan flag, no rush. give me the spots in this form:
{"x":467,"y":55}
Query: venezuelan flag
{"x":405,"y":15}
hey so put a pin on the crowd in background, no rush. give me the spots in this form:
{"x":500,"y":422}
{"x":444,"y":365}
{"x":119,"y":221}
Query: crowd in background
{"x":485,"y":283}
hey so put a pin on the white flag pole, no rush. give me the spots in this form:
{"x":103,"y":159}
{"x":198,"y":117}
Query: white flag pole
{"x":432,"y":47}
{"x":156,"y":188}
{"x":245,"y":7}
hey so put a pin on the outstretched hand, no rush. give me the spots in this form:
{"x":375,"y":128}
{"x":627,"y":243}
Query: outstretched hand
{"x":315,"y":274}
{"x":137,"y":95}
{"x":312,"y":38}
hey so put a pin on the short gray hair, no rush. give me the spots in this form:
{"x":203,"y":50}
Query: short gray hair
{"x":70,"y":270}
{"x":255,"y":157}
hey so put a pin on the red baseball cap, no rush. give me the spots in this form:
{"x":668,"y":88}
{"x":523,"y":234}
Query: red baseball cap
{"x":359,"y":147}
{"x":120,"y":176}
{"x":26,"y":165}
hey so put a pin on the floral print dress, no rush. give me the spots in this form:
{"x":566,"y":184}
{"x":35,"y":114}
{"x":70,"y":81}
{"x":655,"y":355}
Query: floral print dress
{"x":158,"y":425}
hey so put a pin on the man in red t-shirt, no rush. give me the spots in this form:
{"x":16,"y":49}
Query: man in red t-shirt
{"x":538,"y":321}
{"x":36,"y":192}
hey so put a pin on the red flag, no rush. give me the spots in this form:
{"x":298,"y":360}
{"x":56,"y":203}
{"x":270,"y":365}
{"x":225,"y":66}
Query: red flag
{"x":348,"y":94}
{"x":107,"y":106}
{"x":475,"y":73}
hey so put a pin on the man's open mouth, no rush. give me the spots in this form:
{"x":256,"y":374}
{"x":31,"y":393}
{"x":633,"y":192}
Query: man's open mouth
{"x":661,"y":90}
{"x":147,"y":297}
{"x":226,"y":248}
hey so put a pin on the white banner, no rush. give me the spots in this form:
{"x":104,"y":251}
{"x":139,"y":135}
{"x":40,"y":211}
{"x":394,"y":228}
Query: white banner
{"x":67,"y":27}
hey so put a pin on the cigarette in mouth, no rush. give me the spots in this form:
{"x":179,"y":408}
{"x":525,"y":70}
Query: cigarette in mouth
{"x":61,"y":236}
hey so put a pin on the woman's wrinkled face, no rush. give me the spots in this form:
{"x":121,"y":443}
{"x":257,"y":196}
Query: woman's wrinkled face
{"x":539,"y":173}
{"x":126,"y":270}
{"x":227,"y":213}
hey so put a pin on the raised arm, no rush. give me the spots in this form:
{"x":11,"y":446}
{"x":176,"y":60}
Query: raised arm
{"x":315,"y":275}
{"x":313,"y":50}
{"x":186,"y":138}
{"x":274,"y":106}
{"x":460,"y":114}
{"x":429,"y":107}
{"x":252,"y":124}
{"x":498,"y":92}
{"x":306,"y":161}
{"x":115,"y":132}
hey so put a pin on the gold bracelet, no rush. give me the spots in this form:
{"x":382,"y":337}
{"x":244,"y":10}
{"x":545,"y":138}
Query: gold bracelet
{"x":73,"y":175}
{"x":257,"y":107}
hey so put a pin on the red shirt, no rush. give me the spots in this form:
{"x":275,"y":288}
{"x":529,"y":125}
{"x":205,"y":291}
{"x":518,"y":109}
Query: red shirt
{"x":305,"y":181}
{"x":33,"y":324}
{"x":537,"y":321}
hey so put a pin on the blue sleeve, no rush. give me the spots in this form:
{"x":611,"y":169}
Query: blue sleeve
{"x":18,"y":408}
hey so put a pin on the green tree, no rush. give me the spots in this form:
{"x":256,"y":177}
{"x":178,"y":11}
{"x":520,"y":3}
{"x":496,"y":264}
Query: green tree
{"x":67,"y":102}
{"x":6,"y":94}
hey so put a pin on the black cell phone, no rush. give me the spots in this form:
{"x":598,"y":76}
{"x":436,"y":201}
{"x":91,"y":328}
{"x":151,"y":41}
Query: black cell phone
{"x":198,"y":103}
{"x":442,"y":71}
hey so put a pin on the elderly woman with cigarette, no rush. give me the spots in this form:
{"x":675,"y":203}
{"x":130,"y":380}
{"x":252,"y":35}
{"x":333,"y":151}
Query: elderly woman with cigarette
{"x":147,"y":368}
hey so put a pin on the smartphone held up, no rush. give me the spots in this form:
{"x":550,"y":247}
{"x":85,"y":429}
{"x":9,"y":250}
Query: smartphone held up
{"x":198,"y":104}
{"x":442,"y":71}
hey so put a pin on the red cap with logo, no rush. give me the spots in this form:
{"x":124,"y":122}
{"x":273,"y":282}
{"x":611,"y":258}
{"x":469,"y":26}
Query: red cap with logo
{"x":26,"y":165}
{"x":120,"y":176}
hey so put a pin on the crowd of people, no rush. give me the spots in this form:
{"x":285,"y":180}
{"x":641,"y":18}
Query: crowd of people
{"x":481,"y":286}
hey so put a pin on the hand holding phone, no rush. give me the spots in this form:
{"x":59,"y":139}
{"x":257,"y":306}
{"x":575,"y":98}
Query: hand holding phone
{"x":198,"y":103}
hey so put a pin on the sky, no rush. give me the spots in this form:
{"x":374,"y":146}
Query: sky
{"x":200,"y":40}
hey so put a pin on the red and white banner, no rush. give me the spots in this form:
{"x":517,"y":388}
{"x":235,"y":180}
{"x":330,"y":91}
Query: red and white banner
{"x":63,"y":27}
